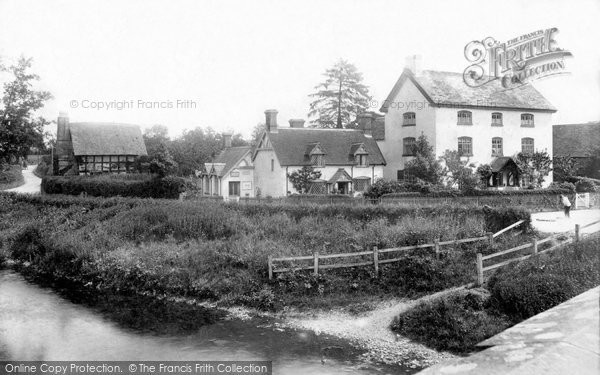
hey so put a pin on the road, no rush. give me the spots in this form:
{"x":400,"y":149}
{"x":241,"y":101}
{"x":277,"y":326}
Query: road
{"x":32,"y":182}
{"x":556,"y":222}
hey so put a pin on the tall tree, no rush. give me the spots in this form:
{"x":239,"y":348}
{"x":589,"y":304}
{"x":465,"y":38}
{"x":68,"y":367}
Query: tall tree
{"x":340,"y":99}
{"x":19,"y":129}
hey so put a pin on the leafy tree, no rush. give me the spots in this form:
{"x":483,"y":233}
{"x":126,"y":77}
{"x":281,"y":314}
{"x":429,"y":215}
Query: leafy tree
{"x":161,"y":162}
{"x":256,"y":133}
{"x":565,"y":168}
{"x":424,"y":166}
{"x":340,"y":99}
{"x":459,"y":172}
{"x":536,"y":166}
{"x":302,"y":178}
{"x":484,"y":171}
{"x":19,"y":129}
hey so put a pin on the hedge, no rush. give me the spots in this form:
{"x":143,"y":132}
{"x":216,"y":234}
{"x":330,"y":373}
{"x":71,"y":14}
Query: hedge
{"x":480,"y":193}
{"x":142,"y":186}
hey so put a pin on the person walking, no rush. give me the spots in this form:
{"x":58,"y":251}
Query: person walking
{"x":566,"y":205}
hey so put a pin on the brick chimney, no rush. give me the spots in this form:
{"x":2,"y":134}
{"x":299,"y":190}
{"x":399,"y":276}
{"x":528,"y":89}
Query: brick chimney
{"x":227,"y":140}
{"x":296,"y":123}
{"x":365,"y":122}
{"x":271,"y":120}
{"x":413,"y":63}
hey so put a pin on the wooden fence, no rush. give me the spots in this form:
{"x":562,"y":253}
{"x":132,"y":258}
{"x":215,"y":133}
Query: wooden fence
{"x":534,"y":245}
{"x":375,"y":253}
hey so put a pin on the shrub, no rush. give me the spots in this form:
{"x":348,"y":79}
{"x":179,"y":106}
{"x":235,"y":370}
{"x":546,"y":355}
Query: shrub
{"x":455,"y":322}
{"x":566,"y":186}
{"x":11,"y":176}
{"x":585,"y":185}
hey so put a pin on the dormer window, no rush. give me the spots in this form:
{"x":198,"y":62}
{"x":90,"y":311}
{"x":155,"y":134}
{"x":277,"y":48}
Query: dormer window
{"x":496,"y":119}
{"x":465,"y":118}
{"x":409,"y":119}
{"x":527,"y":120}
{"x":316,"y":160}
{"x":361,"y":160}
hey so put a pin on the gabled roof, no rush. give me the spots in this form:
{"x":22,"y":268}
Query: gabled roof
{"x":98,"y":138}
{"x":290,"y":145}
{"x":358,"y":148}
{"x":575,"y":140}
{"x":340,"y":175}
{"x":447,"y":89}
{"x":500,"y":163}
{"x":230,"y":157}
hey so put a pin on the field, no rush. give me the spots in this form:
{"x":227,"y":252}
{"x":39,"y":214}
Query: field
{"x":218,"y":252}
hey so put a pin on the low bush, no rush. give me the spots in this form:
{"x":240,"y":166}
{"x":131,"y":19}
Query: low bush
{"x":11,"y":176}
{"x":586,"y":185}
{"x":135,"y":185}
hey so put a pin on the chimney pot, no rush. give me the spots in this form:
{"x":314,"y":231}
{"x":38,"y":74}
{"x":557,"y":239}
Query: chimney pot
{"x":365,"y":122}
{"x":296,"y":123}
{"x":271,"y":120}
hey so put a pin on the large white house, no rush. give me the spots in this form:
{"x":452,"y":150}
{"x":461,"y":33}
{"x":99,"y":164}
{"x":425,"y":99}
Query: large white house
{"x":488,"y":124}
{"x":349,"y":159}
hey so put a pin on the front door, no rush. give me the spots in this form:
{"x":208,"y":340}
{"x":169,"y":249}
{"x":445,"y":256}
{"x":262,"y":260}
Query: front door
{"x":343,"y":187}
{"x":234,"y":188}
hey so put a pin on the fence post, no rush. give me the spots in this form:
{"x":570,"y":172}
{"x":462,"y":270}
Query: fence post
{"x":479,"y":270}
{"x":316,"y":263}
{"x":535,"y":246}
{"x":437,"y":248}
{"x":490,"y":236}
{"x":376,"y":260}
{"x":577,"y":235}
{"x":270,"y":267}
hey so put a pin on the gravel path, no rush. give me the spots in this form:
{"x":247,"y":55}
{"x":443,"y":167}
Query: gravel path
{"x":32,"y":182}
{"x":371,"y":331}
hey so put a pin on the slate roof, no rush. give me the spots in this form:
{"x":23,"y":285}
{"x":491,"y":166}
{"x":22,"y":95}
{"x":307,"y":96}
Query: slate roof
{"x":575,"y":140}
{"x":98,"y":138}
{"x":230,"y":157}
{"x":340,"y":175}
{"x":447,"y":89}
{"x":290,"y":145}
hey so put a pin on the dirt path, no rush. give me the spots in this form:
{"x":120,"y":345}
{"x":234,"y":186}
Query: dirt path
{"x":371,"y":331}
{"x":32,"y":182}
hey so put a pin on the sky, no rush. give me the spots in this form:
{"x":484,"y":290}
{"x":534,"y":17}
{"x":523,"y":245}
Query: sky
{"x":223,"y":63}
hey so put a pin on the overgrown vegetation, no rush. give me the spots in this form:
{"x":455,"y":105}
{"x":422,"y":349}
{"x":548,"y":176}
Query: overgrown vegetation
{"x":458,"y":321}
{"x":219,"y":251}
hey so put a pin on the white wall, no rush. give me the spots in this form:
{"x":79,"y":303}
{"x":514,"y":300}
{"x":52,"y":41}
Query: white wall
{"x":482,"y":133}
{"x":271,"y":183}
{"x":408,"y":99}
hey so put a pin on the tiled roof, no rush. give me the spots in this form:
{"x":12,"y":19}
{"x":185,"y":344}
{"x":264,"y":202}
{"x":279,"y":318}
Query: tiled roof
{"x":449,"y":89}
{"x":230,"y":157}
{"x":98,"y":138}
{"x":340,"y":175}
{"x":575,"y":140}
{"x":290,"y":145}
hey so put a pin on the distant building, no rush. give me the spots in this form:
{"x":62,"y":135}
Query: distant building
{"x":231,"y":173}
{"x":92,"y":147}
{"x":487,"y":124}
{"x":349,"y":159}
{"x":578,"y":141}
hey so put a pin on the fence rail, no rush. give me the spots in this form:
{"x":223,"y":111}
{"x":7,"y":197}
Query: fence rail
{"x":534,"y":245}
{"x":375,"y":261}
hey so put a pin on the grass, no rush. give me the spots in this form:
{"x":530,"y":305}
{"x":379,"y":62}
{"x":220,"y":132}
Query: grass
{"x":457,"y":322}
{"x":218,"y":251}
{"x":11,"y":176}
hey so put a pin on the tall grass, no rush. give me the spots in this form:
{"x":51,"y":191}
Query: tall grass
{"x":220,"y":251}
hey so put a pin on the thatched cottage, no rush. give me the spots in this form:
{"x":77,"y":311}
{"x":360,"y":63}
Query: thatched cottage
{"x":93,"y":147}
